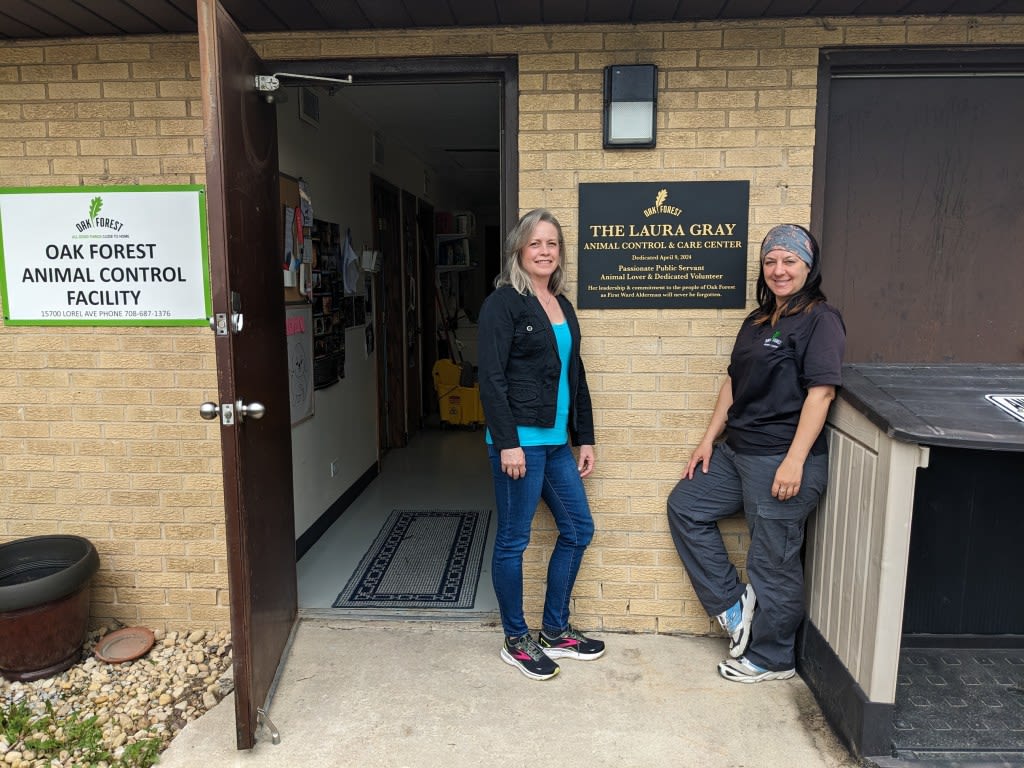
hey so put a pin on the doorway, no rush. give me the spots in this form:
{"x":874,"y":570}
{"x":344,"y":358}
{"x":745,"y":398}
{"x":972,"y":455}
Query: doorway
{"x":403,"y":205}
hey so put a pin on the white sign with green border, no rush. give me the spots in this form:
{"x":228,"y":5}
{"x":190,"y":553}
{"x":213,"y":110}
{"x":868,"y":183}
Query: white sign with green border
{"x":122,"y":255}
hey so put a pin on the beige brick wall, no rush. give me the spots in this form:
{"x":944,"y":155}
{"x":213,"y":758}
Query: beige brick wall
{"x":98,"y":433}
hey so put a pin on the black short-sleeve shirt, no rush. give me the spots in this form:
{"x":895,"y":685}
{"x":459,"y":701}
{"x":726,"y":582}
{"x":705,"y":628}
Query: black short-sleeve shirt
{"x":772,"y":367}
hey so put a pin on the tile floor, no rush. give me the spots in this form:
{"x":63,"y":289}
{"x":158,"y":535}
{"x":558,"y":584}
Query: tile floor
{"x":440,"y":468}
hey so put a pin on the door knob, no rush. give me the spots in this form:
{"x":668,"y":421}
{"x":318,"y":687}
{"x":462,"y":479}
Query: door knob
{"x":229,"y":411}
{"x":252,"y":410}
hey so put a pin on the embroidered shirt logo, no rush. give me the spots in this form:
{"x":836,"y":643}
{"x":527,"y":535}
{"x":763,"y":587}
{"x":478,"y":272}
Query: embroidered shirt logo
{"x":774,"y":341}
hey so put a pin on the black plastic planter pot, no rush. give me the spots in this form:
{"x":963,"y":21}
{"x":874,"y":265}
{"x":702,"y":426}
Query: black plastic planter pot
{"x":44,"y":604}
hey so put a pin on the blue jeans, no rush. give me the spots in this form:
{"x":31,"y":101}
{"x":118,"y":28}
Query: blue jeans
{"x":552,"y":475}
{"x":774,"y":565}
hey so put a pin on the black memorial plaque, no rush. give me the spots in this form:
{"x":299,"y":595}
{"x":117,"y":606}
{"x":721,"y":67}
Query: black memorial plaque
{"x":675,"y":245}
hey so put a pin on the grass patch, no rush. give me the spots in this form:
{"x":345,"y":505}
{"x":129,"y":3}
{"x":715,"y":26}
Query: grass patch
{"x":48,"y":736}
{"x":17,"y":722}
{"x":142,"y":754}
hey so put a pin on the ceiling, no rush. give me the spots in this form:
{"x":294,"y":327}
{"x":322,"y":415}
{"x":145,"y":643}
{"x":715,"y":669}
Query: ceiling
{"x":456,"y":128}
{"x":461,"y":136}
{"x":74,"y":18}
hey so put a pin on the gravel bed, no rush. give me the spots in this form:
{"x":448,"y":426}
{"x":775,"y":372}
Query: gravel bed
{"x":144,"y":703}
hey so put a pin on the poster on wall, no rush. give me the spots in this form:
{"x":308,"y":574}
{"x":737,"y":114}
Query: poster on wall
{"x":123,"y":255}
{"x":299,"y":334}
{"x":663,"y":245}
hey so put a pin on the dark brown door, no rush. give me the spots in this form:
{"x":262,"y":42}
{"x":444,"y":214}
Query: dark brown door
{"x":390,"y":316}
{"x":240,"y":130}
{"x":428,"y":310}
{"x":411,"y":300}
{"x":922,"y":178}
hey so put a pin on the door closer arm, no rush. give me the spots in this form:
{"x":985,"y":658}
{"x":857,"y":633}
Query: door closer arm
{"x":268,"y":84}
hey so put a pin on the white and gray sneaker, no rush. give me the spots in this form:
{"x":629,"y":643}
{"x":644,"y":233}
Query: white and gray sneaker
{"x":736,"y":621}
{"x":742,"y":670}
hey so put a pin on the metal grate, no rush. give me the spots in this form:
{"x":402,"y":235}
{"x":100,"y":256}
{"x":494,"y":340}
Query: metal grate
{"x":1012,"y":404}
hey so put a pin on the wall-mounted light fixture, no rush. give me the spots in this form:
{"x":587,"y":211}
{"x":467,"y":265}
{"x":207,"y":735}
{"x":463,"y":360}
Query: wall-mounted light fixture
{"x":630,"y":105}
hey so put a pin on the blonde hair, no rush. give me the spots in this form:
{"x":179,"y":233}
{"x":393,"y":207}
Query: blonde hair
{"x":512,"y":272}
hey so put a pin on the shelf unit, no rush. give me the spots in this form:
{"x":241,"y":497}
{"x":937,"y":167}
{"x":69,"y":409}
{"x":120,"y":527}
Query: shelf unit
{"x":452,"y":251}
{"x":326,"y":298}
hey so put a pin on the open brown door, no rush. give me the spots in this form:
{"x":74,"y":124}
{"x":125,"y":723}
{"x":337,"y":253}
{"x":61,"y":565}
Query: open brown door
{"x":391,"y":355}
{"x":411,"y":300}
{"x":240,"y":130}
{"x":428,"y":306}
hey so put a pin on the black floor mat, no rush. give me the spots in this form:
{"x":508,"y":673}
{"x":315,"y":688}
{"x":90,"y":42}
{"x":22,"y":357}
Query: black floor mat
{"x":959,"y":701}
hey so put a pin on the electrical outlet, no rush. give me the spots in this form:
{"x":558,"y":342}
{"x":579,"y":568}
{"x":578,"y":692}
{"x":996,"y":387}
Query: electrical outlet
{"x":334,"y":468}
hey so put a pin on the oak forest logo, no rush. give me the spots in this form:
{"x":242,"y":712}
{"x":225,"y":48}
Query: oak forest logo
{"x":774,"y":341}
{"x":95,"y":221}
{"x":660,"y":207}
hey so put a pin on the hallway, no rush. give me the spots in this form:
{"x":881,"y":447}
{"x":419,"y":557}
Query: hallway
{"x":440,"y":468}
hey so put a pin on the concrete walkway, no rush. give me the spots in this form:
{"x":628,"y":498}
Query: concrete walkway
{"x":409,"y":694}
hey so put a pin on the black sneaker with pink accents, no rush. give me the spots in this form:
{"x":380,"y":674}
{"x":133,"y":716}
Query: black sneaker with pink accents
{"x":570,"y":644}
{"x":524,"y":653}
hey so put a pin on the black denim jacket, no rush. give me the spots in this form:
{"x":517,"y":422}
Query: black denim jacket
{"x":519,"y":369}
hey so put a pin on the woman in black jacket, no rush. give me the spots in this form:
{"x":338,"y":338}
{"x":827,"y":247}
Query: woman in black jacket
{"x":533,"y":389}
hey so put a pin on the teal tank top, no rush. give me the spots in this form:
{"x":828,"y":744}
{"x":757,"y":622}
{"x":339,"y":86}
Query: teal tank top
{"x":559,"y":433}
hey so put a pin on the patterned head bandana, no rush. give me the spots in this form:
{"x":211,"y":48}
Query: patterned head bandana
{"x":789,"y":238}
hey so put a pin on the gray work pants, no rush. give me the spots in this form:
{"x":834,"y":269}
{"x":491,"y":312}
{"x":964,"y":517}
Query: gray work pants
{"x":774,"y":565}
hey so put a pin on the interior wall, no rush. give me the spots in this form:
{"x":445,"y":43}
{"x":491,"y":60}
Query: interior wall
{"x":331,"y":158}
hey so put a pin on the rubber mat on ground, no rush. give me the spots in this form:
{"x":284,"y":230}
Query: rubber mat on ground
{"x":959,"y":700}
